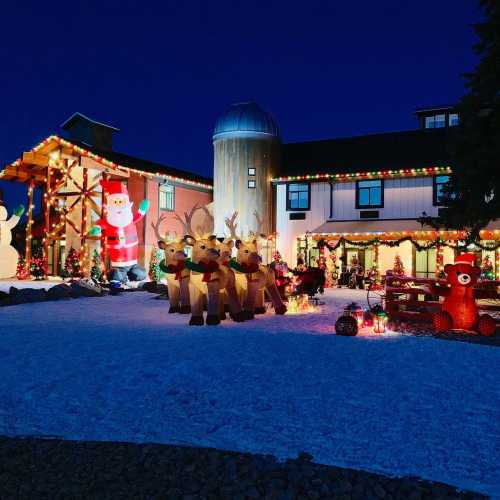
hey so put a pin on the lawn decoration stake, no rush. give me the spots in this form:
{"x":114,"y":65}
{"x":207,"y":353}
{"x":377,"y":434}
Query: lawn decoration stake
{"x":121,"y":233}
{"x":8,"y":254}
{"x":459,"y":310}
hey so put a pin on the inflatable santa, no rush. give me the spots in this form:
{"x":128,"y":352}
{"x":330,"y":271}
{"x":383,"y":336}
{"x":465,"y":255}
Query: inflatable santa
{"x":8,"y":254}
{"x":121,"y":235}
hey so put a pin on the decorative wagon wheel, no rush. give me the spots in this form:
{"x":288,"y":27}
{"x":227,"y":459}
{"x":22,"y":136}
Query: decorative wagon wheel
{"x":375,"y":295}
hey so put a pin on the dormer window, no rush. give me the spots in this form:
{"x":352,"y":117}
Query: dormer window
{"x":435,"y":121}
{"x":453,"y":120}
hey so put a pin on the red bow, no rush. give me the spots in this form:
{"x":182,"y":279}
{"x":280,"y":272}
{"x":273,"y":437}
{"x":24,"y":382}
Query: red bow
{"x":207,"y":268}
{"x":177,"y":269}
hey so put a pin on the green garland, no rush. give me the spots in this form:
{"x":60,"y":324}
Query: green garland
{"x":438,"y":242}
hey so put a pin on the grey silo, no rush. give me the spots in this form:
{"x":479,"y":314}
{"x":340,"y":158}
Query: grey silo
{"x":245,"y":137}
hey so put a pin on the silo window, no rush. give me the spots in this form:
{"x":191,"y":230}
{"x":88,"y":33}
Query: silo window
{"x":251,"y":171}
{"x":251,"y":184}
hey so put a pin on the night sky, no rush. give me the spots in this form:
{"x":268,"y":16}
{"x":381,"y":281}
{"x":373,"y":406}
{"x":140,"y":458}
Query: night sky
{"x":163,"y":71}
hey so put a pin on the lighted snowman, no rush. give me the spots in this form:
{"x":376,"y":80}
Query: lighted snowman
{"x":8,"y":254}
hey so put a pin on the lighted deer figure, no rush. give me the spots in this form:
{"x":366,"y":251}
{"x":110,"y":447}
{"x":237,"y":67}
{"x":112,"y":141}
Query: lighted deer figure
{"x":174,"y":265}
{"x":230,"y":293}
{"x":206,"y":279}
{"x":252,"y":278}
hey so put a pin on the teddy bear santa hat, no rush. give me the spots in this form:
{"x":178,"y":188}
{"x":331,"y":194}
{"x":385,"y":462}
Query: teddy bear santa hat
{"x":466,"y":258}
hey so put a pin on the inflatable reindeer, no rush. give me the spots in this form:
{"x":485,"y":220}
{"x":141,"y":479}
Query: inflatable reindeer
{"x":206,"y":280}
{"x":253,"y":278}
{"x":174,"y":265}
{"x":229,"y":293}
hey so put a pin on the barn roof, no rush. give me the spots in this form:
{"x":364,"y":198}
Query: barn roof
{"x":368,"y":153}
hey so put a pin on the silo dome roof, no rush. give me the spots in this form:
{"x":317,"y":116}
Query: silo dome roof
{"x":246,"y":117}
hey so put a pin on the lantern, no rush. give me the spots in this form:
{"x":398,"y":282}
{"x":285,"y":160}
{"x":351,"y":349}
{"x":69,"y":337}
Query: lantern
{"x":379,"y":319}
{"x":356,"y":311}
{"x":346,"y":325}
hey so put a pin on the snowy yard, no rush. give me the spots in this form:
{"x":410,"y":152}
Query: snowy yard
{"x":120,"y":368}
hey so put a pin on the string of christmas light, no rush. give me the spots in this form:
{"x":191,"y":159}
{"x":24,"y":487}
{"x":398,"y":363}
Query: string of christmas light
{"x":439,"y":261}
{"x":462,"y":246}
{"x":347,"y":177}
{"x":108,"y":163}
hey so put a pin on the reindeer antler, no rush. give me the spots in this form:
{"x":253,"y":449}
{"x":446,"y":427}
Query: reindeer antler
{"x":186,"y":224}
{"x":231,"y":225}
{"x":156,"y":228}
{"x":208,"y":223}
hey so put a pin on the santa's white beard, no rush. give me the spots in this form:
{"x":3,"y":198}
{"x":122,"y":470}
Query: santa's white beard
{"x":120,"y":218}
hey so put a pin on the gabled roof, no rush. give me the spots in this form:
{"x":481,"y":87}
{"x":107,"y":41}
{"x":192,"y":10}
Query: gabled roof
{"x":18,"y":170}
{"x":367,"y":153}
{"x":80,"y":116}
{"x":151,"y":167}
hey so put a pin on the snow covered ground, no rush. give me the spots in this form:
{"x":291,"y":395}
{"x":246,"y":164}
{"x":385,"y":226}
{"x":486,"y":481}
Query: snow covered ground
{"x":120,"y":368}
{"x":7,"y":283}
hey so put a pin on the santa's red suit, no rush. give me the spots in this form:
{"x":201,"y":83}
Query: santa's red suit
{"x":122,"y":241}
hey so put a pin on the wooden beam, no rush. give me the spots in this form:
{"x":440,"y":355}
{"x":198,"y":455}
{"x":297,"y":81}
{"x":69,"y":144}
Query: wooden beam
{"x":21,"y":174}
{"x":36,"y":159}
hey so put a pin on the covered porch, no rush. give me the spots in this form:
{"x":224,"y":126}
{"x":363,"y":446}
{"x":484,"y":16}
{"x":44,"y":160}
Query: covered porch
{"x":68,"y":177}
{"x":423,"y":251}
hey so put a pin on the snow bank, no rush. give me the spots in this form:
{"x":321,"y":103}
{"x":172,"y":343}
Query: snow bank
{"x":121,"y":368}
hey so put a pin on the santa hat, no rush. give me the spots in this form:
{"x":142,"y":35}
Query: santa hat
{"x":114,"y":187}
{"x":466,"y":258}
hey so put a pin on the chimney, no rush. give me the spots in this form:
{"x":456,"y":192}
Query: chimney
{"x":81,"y":128}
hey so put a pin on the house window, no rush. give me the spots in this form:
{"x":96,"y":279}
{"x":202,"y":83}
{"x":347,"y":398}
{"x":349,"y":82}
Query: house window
{"x":453,"y":119}
{"x":370,"y":194}
{"x":439,"y":182}
{"x":436,"y":121}
{"x":251,"y":171}
{"x":298,"y":196}
{"x":166,"y":193}
{"x":251,"y":184}
{"x":440,"y":121}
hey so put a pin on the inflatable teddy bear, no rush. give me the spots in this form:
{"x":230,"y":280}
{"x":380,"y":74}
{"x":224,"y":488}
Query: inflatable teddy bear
{"x":459,"y":310}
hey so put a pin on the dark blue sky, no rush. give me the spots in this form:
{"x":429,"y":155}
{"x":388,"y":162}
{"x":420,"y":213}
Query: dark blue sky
{"x":163,"y":71}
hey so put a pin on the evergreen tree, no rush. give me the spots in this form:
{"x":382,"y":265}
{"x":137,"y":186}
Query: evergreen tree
{"x":154,"y":265}
{"x":22,"y":273}
{"x":473,"y":193}
{"x":72,"y":264}
{"x":38,"y":267}
{"x":96,"y":269}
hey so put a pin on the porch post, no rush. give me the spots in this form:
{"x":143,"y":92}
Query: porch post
{"x":103,"y":239}
{"x":83,"y":224}
{"x":47,"y":199}
{"x":29,"y":223}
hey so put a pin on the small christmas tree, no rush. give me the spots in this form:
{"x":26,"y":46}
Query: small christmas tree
{"x":398,"y":268}
{"x":22,"y":273}
{"x":96,"y":270}
{"x":154,"y":265}
{"x":38,"y":267}
{"x":72,"y":264}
